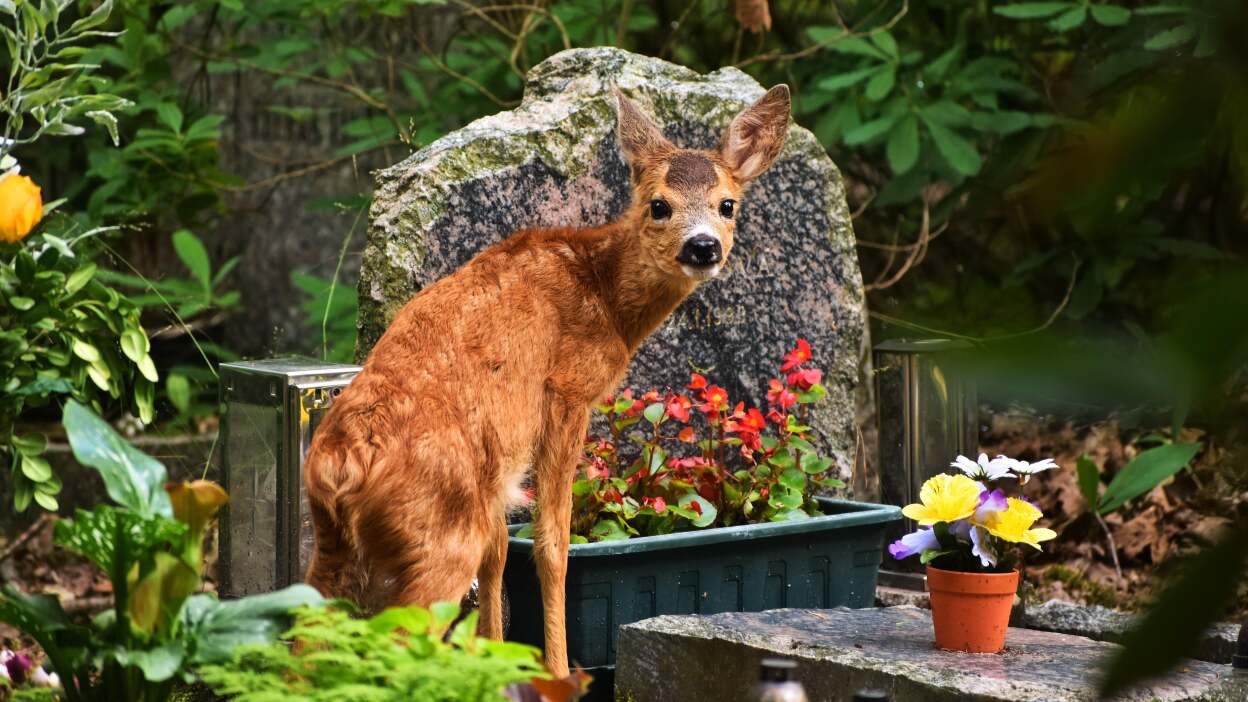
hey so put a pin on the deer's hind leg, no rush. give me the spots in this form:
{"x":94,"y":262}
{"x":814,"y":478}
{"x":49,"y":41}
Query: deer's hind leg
{"x":490,"y":581}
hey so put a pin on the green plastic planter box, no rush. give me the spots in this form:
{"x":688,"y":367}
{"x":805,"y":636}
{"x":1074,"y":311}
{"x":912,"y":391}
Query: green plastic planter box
{"x":827,"y":561}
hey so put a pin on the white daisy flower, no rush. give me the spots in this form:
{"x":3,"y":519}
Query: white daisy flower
{"x":1026,"y":470}
{"x":984,"y":469}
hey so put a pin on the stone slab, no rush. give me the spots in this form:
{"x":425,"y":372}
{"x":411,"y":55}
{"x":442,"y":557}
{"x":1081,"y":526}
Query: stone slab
{"x":554,"y":162}
{"x":1104,"y":624}
{"x":839,"y":651}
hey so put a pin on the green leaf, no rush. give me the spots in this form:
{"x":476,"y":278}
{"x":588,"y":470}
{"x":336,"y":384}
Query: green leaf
{"x":148,"y":368}
{"x":113,"y":539}
{"x":781,"y":499}
{"x":881,"y":84}
{"x":36,"y":615}
{"x":1171,"y":629}
{"x":1089,"y":480}
{"x":869,"y":131}
{"x":858,"y":47}
{"x":886,"y":42}
{"x":1031,"y":10}
{"x":30,"y":444}
{"x":841,"y":81}
{"x":903,"y":144}
{"x":937,"y":69}
{"x":608,"y":530}
{"x":178,"y":390}
{"x":85,"y":350}
{"x":46,"y":501}
{"x":1110,"y":15}
{"x":932,"y":554}
{"x":157,"y":664}
{"x":1071,"y":19}
{"x":36,"y":468}
{"x":79,"y":278}
{"x":170,"y":115}
{"x":654,"y":412}
{"x":789,"y":515}
{"x":812,"y":464}
{"x":708,"y":510}
{"x":132,"y":478}
{"x":1145,"y":472}
{"x":959,"y":153}
{"x":1169,"y":39}
{"x":215,"y":628}
{"x":194,"y":256}
{"x":793,"y":479}
{"x":21,"y":303}
{"x":134,"y":344}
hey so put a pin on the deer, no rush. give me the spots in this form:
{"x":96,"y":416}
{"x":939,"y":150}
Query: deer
{"x":484,"y":381}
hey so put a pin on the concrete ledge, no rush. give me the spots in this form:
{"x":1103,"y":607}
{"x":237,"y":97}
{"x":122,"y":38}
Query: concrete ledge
{"x":838,"y":651}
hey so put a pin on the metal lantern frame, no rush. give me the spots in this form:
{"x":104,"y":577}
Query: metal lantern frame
{"x":270,"y":409}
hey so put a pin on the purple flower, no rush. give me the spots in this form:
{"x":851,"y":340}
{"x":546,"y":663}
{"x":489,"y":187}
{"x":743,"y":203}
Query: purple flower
{"x":17,"y":665}
{"x":910,"y":544}
{"x":990,"y":502}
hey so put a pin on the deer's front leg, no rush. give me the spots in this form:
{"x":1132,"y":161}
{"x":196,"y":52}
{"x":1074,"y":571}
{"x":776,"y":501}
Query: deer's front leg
{"x":556,"y":467}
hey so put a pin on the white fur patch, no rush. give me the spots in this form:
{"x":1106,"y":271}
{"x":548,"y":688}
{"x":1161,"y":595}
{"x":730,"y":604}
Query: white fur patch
{"x":701,"y":273}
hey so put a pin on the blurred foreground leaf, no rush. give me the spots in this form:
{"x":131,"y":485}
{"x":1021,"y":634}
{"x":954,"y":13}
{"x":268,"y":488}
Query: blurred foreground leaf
{"x":1171,"y":630}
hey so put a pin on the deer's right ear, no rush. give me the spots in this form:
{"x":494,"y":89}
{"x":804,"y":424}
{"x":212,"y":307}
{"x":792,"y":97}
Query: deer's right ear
{"x":639,"y":138}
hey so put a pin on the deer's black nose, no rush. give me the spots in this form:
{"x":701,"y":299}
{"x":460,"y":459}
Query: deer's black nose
{"x":701,"y":250}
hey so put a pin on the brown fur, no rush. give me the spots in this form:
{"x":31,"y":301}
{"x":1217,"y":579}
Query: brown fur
{"x":488,"y":374}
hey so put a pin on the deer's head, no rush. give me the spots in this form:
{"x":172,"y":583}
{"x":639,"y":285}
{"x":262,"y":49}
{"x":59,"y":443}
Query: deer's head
{"x":685,"y":201}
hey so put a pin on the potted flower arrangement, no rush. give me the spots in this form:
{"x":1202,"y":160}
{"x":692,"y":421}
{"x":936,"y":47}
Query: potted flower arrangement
{"x":687,"y":502}
{"x":968,"y":536}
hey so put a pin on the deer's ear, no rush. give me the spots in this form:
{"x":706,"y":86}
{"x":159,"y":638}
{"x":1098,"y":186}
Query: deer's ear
{"x":639,"y":138}
{"x":755,"y":137}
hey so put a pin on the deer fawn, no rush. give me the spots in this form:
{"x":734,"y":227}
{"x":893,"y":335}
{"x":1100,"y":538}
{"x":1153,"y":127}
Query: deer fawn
{"x":490,"y":373}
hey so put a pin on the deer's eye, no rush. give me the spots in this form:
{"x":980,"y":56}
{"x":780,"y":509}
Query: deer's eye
{"x":659,"y":209}
{"x":726,"y":208}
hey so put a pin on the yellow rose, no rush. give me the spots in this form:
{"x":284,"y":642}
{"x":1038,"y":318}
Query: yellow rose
{"x":21,"y":207}
{"x":1014,"y":524}
{"x":945,"y":498}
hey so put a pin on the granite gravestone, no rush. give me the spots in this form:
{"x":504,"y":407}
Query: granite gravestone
{"x":554,"y":161}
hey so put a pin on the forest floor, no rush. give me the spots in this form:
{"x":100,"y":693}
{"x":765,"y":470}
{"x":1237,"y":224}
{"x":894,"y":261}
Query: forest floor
{"x":1152,"y":532}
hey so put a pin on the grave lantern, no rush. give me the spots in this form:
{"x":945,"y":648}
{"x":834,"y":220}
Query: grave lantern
{"x":927,"y":415}
{"x":269,"y":410}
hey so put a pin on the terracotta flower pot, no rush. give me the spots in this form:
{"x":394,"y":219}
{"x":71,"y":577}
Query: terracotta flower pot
{"x":971,"y":611}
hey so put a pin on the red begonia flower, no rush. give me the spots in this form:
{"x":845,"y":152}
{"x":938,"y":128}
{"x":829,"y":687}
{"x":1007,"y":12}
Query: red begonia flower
{"x":797,"y":356}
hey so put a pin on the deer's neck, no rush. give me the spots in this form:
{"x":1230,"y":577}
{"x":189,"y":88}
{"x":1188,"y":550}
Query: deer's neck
{"x":639,"y":294}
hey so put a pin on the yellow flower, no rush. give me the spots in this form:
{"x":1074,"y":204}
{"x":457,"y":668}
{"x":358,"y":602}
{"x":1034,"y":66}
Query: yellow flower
{"x":21,"y":207}
{"x":945,"y":498}
{"x":1014,"y":524}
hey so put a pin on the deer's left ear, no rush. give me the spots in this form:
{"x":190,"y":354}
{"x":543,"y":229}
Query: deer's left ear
{"x":755,"y":137}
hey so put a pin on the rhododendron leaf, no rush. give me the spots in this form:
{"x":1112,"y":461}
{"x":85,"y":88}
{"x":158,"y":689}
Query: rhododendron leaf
{"x":654,"y":413}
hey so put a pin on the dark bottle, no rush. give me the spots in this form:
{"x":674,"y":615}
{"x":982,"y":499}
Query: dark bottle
{"x":776,"y":683}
